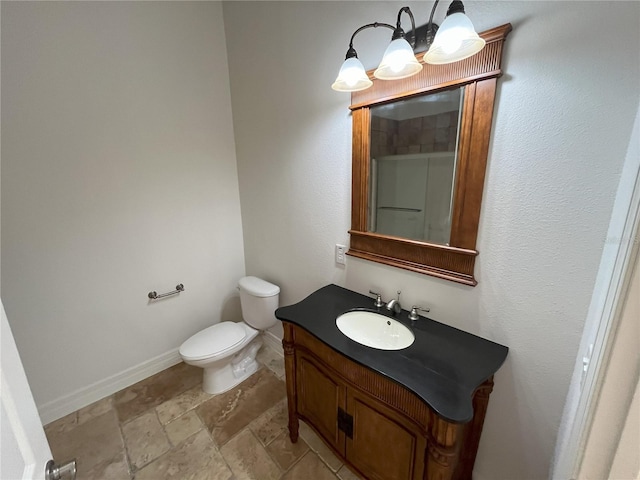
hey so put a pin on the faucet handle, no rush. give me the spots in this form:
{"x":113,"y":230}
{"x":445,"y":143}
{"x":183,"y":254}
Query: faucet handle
{"x":378,"y":302}
{"x":414,"y":312}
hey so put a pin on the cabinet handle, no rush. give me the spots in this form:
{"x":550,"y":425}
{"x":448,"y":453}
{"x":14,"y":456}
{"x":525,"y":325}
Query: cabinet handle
{"x":345,"y":422}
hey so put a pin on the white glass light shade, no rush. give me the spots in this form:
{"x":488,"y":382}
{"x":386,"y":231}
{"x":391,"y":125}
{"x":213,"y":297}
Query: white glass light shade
{"x":351,"y":77}
{"x":398,"y":61}
{"x":455,"y":40}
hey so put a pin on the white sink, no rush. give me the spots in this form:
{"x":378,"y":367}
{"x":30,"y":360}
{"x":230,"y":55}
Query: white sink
{"x":375,"y":330}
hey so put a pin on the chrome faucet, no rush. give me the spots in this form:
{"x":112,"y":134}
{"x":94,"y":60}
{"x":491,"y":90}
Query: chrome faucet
{"x":393,"y":305}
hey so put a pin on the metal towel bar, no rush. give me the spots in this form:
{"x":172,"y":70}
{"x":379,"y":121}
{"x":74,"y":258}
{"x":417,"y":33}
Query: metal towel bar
{"x":155,"y":296}
{"x":400,"y":209}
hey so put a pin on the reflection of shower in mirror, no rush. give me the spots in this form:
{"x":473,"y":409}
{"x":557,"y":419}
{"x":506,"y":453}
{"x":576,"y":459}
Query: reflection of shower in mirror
{"x":411,"y":196}
{"x":413,"y":161}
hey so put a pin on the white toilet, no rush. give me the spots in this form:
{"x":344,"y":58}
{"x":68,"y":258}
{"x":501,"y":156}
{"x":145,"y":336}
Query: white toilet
{"x":227,"y":351}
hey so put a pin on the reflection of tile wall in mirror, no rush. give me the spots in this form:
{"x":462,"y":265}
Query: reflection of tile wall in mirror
{"x":419,"y":125}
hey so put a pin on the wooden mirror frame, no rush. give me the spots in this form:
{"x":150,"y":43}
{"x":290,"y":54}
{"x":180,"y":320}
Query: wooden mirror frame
{"x":478,"y":75}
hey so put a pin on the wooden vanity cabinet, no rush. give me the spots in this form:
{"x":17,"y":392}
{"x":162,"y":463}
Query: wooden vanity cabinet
{"x":372,"y":436}
{"x":379,"y":428}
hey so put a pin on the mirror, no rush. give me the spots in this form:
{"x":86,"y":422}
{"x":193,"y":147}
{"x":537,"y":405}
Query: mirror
{"x":420,"y":147}
{"x":413,"y":161}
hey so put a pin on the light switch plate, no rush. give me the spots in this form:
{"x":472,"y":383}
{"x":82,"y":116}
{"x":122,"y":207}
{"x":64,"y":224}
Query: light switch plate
{"x":341,"y":254}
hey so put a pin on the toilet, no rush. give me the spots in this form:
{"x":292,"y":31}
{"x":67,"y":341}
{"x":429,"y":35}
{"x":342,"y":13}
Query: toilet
{"x":227,"y":351}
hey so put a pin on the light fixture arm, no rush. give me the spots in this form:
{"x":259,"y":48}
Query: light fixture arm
{"x":433,"y":10}
{"x":399,"y":33}
{"x":426,"y":33}
{"x":352,"y":52}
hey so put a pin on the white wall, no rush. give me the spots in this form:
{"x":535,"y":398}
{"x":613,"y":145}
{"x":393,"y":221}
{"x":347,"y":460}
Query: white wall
{"x":118,"y":178}
{"x":562,"y":126}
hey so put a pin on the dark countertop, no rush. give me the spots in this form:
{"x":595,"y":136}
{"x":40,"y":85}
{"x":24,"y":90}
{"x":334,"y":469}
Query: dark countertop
{"x":443,"y":366}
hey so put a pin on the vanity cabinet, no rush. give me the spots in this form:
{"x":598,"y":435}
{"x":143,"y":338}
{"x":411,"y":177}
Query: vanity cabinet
{"x":379,"y":428}
{"x":363,"y":430}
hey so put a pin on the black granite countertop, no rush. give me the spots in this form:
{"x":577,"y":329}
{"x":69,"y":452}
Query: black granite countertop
{"x":443,"y":366}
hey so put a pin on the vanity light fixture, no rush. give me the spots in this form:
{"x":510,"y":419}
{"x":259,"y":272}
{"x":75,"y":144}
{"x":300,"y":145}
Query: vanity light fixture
{"x":455,"y":40}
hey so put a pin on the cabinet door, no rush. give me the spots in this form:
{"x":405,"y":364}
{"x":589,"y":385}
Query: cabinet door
{"x":319,"y":398}
{"x":385,"y":445}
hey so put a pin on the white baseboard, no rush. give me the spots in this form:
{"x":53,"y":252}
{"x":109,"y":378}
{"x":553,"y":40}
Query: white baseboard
{"x":273,"y":342}
{"x":82,"y":397}
{"x":85,"y":396}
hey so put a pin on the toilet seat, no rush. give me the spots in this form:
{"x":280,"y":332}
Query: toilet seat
{"x":213,"y":341}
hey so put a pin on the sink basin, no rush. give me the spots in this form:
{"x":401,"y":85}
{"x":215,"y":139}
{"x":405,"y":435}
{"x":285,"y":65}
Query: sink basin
{"x":375,"y":330}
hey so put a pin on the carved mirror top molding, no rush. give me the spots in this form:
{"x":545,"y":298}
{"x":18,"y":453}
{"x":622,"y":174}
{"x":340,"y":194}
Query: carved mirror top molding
{"x":454,"y":259}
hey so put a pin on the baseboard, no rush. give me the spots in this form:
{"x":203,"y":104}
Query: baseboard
{"x":85,"y":396}
{"x":272,"y":342}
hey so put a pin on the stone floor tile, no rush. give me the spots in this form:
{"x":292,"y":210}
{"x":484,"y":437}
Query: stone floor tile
{"x":145,"y":439}
{"x":174,"y":398}
{"x":248,"y":459}
{"x":157,"y":389}
{"x":271,"y":359}
{"x":95,"y":441}
{"x":317,"y":445}
{"x":212,"y":474}
{"x":115,"y":468}
{"x":95,"y":409}
{"x":228,"y":413}
{"x":177,"y":406}
{"x":345,"y":473}
{"x":271,"y":423}
{"x":187,"y":376}
{"x":183,"y":427}
{"x":310,"y":467}
{"x":286,"y":453}
{"x":64,"y":424}
{"x":196,"y":457}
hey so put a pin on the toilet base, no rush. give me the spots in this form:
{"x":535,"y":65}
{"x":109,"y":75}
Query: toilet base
{"x":222,"y":378}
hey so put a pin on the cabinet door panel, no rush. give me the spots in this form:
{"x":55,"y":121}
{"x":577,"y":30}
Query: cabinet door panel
{"x":385,"y":446}
{"x":319,"y":397}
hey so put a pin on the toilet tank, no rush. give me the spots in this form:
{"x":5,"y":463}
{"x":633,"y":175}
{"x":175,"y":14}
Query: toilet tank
{"x":258,"y":300}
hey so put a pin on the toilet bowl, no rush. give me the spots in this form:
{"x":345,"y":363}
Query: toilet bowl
{"x":227,"y":350}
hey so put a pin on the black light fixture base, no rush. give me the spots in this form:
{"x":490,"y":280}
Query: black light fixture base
{"x":424,"y":37}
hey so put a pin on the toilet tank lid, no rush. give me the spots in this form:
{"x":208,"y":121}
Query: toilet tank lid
{"x":257,"y":287}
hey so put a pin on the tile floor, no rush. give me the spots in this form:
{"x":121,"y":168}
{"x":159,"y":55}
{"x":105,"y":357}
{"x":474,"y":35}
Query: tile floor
{"x":166,"y":427}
